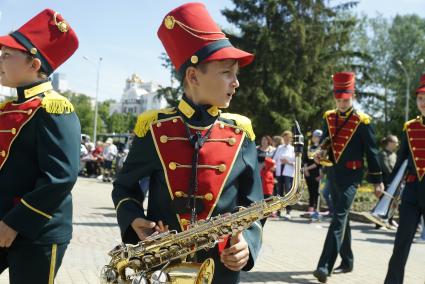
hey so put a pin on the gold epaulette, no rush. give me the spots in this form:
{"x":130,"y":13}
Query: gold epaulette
{"x":326,"y":114}
{"x":145,"y":120}
{"x":365,"y":118}
{"x":55,"y":103}
{"x":241,"y":121}
{"x":4,"y":103}
{"x":406,"y":124}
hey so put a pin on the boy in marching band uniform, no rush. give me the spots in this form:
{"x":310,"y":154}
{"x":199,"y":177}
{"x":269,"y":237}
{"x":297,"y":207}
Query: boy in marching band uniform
{"x":351,"y":138}
{"x":413,"y":200}
{"x":39,"y":151}
{"x":194,"y":154}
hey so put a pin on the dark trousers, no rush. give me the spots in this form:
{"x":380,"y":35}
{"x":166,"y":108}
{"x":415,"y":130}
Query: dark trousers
{"x":313,"y":191}
{"x":338,"y":238}
{"x":409,"y":219}
{"x":32,"y":263}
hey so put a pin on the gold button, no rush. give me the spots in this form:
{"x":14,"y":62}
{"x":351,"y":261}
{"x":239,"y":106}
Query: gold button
{"x":33,"y":51}
{"x":29,"y":111}
{"x":169,"y":22}
{"x":237,"y":131}
{"x":209,"y":196}
{"x":158,"y":124}
{"x":417,"y":159}
{"x":184,"y":222}
{"x":163,"y":139}
{"x":174,"y":120}
{"x":3,"y":153}
{"x":413,"y":148}
{"x":221,"y":125}
{"x":13,"y":130}
{"x":179,"y":194}
{"x":194,"y":59}
{"x":351,"y":130}
{"x":222,"y":168}
{"x":172,"y":166}
{"x":231,"y":141}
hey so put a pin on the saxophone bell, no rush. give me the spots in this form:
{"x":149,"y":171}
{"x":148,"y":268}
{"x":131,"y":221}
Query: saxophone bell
{"x":108,"y":275}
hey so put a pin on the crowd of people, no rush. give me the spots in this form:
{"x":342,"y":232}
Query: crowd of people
{"x":102,"y":160}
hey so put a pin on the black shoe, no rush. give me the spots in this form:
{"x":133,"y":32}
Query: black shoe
{"x":320,"y":275}
{"x":343,"y":269}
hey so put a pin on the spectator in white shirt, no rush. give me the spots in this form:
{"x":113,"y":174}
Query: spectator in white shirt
{"x":285,"y":160}
{"x":109,"y":153}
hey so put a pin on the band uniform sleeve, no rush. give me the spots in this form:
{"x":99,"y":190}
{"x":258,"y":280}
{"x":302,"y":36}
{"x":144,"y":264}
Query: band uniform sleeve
{"x":372,"y":154}
{"x":58,"y":154}
{"x":126,"y":194}
{"x":251,"y":191}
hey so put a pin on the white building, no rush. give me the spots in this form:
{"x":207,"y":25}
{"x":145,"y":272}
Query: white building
{"x":138,"y":97}
{"x":6,"y":92}
{"x":59,"y":82}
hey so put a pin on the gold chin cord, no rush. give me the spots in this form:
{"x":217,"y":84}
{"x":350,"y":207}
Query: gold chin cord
{"x":161,"y":259}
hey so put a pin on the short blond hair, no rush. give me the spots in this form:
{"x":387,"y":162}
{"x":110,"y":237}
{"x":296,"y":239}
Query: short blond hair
{"x":287,"y":133}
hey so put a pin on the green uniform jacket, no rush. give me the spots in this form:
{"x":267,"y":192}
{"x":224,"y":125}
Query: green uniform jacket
{"x":41,"y":164}
{"x":355,"y":140}
{"x":242,"y":187}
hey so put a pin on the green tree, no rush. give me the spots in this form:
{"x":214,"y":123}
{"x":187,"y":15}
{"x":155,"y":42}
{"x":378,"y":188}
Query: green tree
{"x":121,"y":123}
{"x":298,"y":46}
{"x":85,"y":110}
{"x":388,"y":41}
{"x":170,"y":93}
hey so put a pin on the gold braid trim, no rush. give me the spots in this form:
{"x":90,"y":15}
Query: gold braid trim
{"x":406,"y":124}
{"x":145,"y":120}
{"x":241,"y":121}
{"x":55,"y":103}
{"x":365,"y":118}
{"x":326,"y":114}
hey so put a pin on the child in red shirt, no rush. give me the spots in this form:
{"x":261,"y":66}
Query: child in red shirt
{"x":267,"y":177}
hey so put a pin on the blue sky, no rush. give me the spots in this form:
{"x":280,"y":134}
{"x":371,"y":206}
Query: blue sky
{"x":123,"y":33}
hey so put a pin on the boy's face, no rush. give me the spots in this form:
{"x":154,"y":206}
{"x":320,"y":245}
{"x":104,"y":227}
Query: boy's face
{"x":420,"y":101}
{"x":217,"y":84}
{"x":15,"y":67}
{"x":344,"y":104}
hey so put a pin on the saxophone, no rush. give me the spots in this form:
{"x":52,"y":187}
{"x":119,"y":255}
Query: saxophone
{"x":160,"y":259}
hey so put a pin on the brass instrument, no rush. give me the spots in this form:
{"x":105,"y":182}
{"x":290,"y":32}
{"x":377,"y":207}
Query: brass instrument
{"x":161,"y":258}
{"x":322,"y":153}
{"x":386,"y":206}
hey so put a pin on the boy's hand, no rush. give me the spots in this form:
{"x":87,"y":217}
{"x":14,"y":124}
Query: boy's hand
{"x":237,"y":255}
{"x":144,"y":228}
{"x":7,"y":235}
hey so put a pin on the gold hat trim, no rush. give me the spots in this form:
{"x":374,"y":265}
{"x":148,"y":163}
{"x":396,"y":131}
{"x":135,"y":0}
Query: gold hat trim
{"x":62,"y":25}
{"x":170,"y":22}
